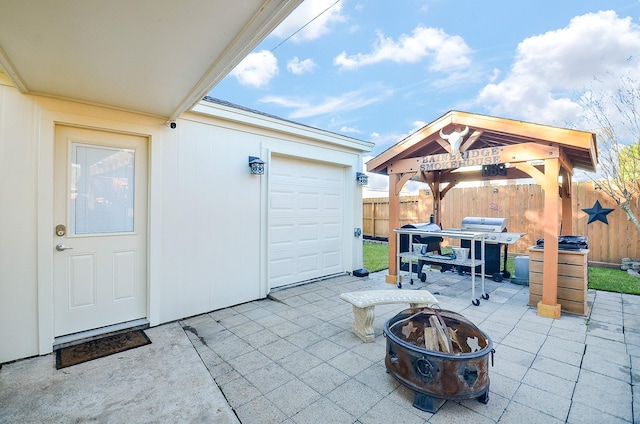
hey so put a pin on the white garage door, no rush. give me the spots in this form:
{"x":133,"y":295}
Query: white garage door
{"x":306,"y":213}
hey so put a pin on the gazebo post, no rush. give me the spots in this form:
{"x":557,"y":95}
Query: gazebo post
{"x":549,"y":306}
{"x":394,"y":222}
{"x":396,"y":182}
{"x":567,"y":209}
{"x":437,"y":199}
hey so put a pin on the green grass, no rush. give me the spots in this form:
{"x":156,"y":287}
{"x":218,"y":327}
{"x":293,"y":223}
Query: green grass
{"x":613,"y":280}
{"x":376,"y":258}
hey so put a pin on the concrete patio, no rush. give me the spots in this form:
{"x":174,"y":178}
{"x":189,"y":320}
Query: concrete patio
{"x":292,"y":358}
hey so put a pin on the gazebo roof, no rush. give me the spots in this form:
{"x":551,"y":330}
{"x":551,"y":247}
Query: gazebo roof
{"x":576,"y":148}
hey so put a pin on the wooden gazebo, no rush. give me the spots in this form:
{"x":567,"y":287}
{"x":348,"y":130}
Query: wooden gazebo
{"x":461,"y":146}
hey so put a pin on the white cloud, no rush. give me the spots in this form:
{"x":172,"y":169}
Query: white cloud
{"x":447,"y":52}
{"x":551,"y":68}
{"x":457,"y":79}
{"x":384,"y":141}
{"x":311,"y":13}
{"x":350,"y":130}
{"x":299,"y":67}
{"x":257,"y":69}
{"x":348,"y":101}
{"x":416,"y":126}
{"x":284,"y":102}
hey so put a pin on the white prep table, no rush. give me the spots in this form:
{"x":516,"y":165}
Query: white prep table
{"x":471,"y":262}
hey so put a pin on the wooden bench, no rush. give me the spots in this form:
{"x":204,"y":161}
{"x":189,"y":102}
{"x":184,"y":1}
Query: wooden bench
{"x":365,"y":301}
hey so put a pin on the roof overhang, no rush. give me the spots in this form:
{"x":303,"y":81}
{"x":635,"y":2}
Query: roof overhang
{"x":157,"y":57}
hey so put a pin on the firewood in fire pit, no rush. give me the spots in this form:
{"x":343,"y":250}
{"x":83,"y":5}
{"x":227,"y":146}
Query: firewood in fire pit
{"x":431,"y":339}
{"x":443,"y":338}
{"x":453,"y":335}
{"x":408,"y":329}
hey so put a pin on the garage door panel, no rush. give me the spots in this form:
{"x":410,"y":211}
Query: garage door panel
{"x":332,"y":202}
{"x":283,"y":175}
{"x":308,"y":232}
{"x":290,"y":270}
{"x":281,"y":239}
{"x":309,"y":180}
{"x":281,"y":270}
{"x":282,"y":200}
{"x":332,"y":231}
{"x":309,"y":263}
{"x":332,"y":260}
{"x":304,"y":183}
{"x":309,"y":201}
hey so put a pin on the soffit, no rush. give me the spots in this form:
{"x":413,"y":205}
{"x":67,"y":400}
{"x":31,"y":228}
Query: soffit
{"x":158,"y":57}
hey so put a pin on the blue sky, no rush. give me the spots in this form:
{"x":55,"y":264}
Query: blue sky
{"x":378,"y":70}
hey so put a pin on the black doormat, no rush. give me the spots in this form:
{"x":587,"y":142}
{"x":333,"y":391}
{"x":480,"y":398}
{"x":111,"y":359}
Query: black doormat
{"x":99,"y":348}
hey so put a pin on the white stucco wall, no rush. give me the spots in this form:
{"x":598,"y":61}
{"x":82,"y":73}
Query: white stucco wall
{"x":18,"y":226}
{"x":207,"y":237}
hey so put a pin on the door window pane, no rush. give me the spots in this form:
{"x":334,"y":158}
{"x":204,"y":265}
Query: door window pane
{"x":101,"y":189}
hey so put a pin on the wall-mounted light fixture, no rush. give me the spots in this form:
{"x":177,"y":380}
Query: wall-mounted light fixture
{"x":257,"y":165}
{"x":495,"y":190}
{"x":362,"y":178}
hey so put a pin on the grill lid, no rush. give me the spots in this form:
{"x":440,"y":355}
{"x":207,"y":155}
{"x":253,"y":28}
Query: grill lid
{"x":421,"y":239}
{"x":484,"y":224}
{"x":423,"y":226}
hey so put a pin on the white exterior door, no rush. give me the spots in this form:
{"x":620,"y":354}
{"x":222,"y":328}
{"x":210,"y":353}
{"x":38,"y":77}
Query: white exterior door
{"x":100,"y":212}
{"x":306,"y":220}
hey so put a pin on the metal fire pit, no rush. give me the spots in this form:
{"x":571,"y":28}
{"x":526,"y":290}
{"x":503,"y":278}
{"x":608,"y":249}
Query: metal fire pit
{"x":434,"y":376}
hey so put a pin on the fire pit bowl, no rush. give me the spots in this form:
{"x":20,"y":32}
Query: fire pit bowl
{"x":454,"y":370}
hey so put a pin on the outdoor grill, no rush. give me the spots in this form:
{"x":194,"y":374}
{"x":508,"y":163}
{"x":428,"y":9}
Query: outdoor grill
{"x":456,"y":371}
{"x":497,"y":237}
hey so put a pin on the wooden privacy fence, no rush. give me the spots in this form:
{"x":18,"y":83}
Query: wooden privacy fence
{"x":523,"y":205}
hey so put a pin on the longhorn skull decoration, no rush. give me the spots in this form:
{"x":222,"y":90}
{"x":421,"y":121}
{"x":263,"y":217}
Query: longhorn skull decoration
{"x":455,"y":139}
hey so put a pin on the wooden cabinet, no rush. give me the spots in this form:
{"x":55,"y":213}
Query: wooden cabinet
{"x":572,"y":279}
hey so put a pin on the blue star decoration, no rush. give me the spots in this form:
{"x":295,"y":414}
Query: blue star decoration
{"x":598,"y":213}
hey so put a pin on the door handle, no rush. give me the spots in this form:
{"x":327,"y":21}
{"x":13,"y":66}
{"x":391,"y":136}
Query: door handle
{"x":61,"y":247}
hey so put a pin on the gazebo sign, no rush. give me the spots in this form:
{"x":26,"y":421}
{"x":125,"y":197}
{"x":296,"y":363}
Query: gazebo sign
{"x":486,"y":156}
